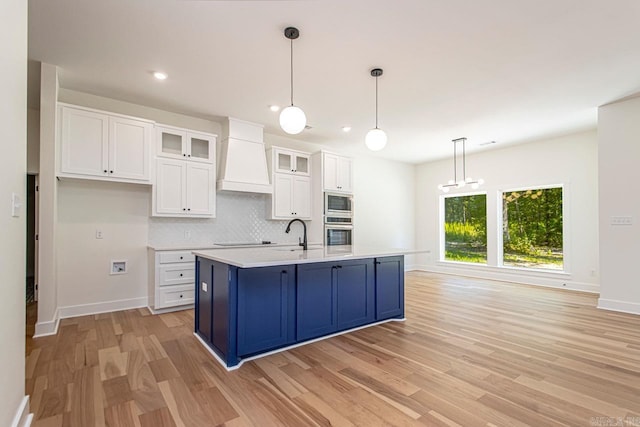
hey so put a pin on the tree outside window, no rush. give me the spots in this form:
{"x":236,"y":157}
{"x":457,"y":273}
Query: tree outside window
{"x":465,"y":228}
{"x":532,"y":228}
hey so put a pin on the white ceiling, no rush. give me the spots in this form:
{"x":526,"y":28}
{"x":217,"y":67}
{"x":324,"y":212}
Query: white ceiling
{"x":505,"y":70}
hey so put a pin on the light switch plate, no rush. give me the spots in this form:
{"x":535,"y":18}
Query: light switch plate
{"x":16,"y":205}
{"x":204,"y":286}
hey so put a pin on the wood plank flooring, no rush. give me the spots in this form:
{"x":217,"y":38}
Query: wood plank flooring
{"x":471,"y":353}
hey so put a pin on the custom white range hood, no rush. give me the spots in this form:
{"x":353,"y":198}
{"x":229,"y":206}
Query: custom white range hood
{"x":243,"y":160}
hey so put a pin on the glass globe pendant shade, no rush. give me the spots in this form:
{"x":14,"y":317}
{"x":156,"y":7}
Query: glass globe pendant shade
{"x":293,"y":120}
{"x":376,"y":139}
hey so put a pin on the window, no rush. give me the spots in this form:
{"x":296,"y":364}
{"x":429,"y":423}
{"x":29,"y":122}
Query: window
{"x":465,"y":228}
{"x":532,"y":228}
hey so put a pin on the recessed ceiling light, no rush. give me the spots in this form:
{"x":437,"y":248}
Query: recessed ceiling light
{"x":346,"y":128}
{"x":274,"y":108}
{"x":160,"y":75}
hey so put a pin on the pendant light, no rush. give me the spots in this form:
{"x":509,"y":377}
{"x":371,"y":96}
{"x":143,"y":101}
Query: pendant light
{"x":292,"y":118}
{"x":376,"y":138}
{"x":454,"y":183}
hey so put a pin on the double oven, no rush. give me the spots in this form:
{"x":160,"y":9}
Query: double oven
{"x":338,"y":219}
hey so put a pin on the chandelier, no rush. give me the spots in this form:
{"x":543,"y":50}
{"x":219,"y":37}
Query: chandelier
{"x":466,"y":180}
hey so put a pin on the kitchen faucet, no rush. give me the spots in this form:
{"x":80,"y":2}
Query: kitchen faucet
{"x":304,"y":240}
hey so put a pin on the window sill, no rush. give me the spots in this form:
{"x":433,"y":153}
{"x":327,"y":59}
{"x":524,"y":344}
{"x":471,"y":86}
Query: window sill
{"x":532,"y":272}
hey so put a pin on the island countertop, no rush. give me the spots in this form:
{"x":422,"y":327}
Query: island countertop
{"x":286,"y":255}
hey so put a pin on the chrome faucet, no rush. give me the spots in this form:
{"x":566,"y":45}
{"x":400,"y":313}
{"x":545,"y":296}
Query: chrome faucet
{"x":304,"y":239}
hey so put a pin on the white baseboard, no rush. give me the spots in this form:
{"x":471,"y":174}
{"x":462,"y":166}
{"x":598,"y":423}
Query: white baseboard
{"x":411,"y":267}
{"x":22,"y":418}
{"x":616,"y":305}
{"x":49,"y":327}
{"x":514,"y":277}
{"x":171,"y":309}
{"x":101,"y":307}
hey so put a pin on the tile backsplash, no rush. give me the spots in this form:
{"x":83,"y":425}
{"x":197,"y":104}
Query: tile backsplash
{"x":240,"y":217}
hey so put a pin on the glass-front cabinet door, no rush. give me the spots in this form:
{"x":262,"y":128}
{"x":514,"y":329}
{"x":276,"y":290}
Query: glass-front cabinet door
{"x":184,"y":144}
{"x":200,"y":147}
{"x":292,"y":162}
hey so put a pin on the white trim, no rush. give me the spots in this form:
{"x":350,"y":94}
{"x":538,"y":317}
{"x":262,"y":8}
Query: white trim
{"x":621,"y":306}
{"x":50,"y":327}
{"x":563,"y":281}
{"x":170,"y":309}
{"x":566,"y":231}
{"x":279,"y":350}
{"x":411,"y":267}
{"x":102,"y":307}
{"x":22,"y":418}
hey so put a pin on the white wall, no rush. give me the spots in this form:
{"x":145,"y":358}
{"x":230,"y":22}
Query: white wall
{"x":618,"y":157}
{"x":160,"y":116}
{"x":384,"y":204}
{"x":13,"y":121}
{"x":121,"y":212}
{"x":47,"y":204}
{"x":33,"y":141}
{"x":570,"y":160}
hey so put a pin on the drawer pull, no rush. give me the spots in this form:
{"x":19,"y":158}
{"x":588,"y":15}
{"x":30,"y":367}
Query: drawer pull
{"x":180,"y":295}
{"x":181,"y":257}
{"x":180,"y":274}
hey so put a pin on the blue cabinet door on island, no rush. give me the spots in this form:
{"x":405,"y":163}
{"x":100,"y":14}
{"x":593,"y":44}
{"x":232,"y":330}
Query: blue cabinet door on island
{"x":356,"y":293}
{"x":334,"y":296}
{"x":266,"y":308}
{"x":316,"y":300}
{"x":389,"y":287}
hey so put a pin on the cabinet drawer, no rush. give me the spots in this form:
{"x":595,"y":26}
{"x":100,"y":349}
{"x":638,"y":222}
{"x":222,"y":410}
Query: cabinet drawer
{"x":174,"y":296}
{"x":176,"y":256}
{"x":176,"y":274}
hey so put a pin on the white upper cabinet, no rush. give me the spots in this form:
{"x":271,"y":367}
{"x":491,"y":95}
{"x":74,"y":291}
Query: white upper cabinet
{"x":291,"y":197}
{"x":185,"y":144}
{"x":337,"y":173}
{"x":184,"y":189}
{"x":288,"y":161}
{"x":291,"y":177}
{"x":99,"y":145}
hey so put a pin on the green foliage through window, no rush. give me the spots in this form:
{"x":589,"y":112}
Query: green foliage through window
{"x":465,"y":228}
{"x":532,"y":228}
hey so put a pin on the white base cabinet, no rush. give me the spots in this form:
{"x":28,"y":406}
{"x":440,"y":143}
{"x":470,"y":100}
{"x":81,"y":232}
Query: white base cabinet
{"x":171,"y":280}
{"x":104,"y":146}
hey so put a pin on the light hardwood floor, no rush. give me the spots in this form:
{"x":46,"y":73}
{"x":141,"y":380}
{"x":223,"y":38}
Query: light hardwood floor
{"x":471,"y":353}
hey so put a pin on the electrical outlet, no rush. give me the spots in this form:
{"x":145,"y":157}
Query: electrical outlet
{"x":621,"y":220}
{"x":98,"y":234}
{"x":204,"y":286}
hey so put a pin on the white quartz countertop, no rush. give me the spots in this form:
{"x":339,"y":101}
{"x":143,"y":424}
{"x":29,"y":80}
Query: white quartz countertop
{"x":249,"y":257}
{"x":199,"y":247}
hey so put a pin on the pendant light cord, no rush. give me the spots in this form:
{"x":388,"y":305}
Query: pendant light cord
{"x":291,"y":72}
{"x":464,"y":160}
{"x":376,"y":102}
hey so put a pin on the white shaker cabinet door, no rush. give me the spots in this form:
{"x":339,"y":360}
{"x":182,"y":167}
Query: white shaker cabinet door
{"x":302,"y":197}
{"x":170,"y":187}
{"x":200,"y":190}
{"x":129,"y":145}
{"x":84,"y":139}
{"x":283,"y":196}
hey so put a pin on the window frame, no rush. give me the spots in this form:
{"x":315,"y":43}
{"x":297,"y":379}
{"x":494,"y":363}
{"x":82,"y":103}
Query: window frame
{"x":442,"y":243}
{"x":565,"y":229}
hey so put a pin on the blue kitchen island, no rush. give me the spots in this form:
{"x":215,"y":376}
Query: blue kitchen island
{"x":254,"y":301}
